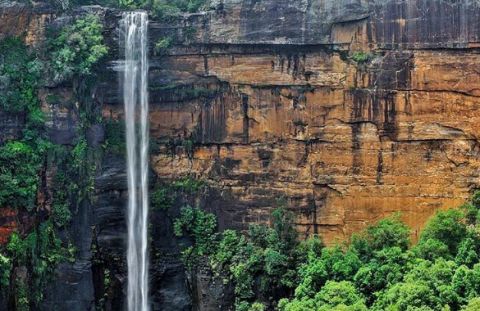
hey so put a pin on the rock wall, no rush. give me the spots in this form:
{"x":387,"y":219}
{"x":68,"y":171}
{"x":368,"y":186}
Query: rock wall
{"x":350,"y":110}
{"x":293,"y":113}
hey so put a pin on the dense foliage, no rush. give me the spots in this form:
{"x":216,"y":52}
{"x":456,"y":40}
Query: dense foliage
{"x":19,"y":73}
{"x":28,"y":261}
{"x":39,"y":252}
{"x":263,"y":260}
{"x":77,"y":48}
{"x":19,"y":174}
{"x":159,"y":8}
{"x":169,"y":8}
{"x":377,"y":270}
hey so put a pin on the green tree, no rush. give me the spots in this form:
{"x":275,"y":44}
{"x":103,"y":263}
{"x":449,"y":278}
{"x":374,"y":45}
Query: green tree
{"x":19,"y":76}
{"x":403,"y":296}
{"x":473,"y":305}
{"x":333,"y":296}
{"x":200,"y":227}
{"x":388,"y":232}
{"x":447,"y":227}
{"x":77,"y":48}
{"x":387,"y":267}
{"x":19,"y":178}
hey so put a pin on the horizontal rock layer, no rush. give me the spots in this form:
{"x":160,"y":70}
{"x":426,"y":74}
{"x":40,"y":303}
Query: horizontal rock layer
{"x":285,"y":110}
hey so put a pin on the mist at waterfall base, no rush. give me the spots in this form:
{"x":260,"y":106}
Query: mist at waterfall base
{"x":135,"y":96}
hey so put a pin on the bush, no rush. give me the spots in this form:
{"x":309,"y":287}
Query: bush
{"x":161,"y":198}
{"x":77,"y":48}
{"x":200,"y":227}
{"x":361,"y":57}
{"x":20,"y":165}
{"x":188,"y":185}
{"x":19,"y":76}
{"x":171,"y":8}
{"x":448,"y":227}
{"x":114,"y":137}
{"x":5,"y":268}
{"x":39,"y":252}
{"x":377,"y":271}
{"x":163,"y":45}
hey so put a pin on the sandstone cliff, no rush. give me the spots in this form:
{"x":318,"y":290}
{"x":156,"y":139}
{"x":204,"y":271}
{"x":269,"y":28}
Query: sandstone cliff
{"x":350,"y":110}
{"x":296,"y":113}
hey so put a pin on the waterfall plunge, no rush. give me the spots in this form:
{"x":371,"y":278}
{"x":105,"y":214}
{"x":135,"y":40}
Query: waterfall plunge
{"x":135,"y":96}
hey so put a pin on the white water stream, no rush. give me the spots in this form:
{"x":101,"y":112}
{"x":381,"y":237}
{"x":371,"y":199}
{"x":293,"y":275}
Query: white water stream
{"x":135,"y":95}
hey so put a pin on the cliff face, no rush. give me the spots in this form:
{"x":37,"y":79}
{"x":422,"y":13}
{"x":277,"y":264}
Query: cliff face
{"x":350,"y":110}
{"x":296,"y":112}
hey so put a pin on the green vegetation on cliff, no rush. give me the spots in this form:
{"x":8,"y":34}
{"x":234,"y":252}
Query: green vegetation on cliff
{"x":377,"y":270}
{"x":169,"y":8}
{"x":77,"y":48}
{"x":19,"y":75}
{"x":30,"y":163}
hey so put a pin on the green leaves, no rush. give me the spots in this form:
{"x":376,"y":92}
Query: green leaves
{"x":40,"y":252}
{"x":447,"y":227}
{"x":163,"y":45}
{"x":77,"y":48}
{"x":19,"y":73}
{"x":333,"y":296}
{"x":19,"y":175}
{"x":264,"y":260}
{"x":200,"y":227}
{"x":5,"y":268}
{"x":172,"y":8}
{"x":388,"y":232}
{"x":377,"y":271}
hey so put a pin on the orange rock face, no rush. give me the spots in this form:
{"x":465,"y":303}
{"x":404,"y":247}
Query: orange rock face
{"x":345,"y":144}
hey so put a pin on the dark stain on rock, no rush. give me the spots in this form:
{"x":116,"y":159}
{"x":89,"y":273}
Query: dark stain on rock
{"x":246,"y":120}
{"x":379,"y":167}
{"x":265,"y":155}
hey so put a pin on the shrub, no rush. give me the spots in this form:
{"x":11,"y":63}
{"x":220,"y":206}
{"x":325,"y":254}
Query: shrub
{"x":39,"y":252}
{"x":114,"y":137}
{"x":188,"y":185}
{"x":19,"y":76}
{"x":19,"y":168}
{"x":361,"y":57}
{"x":447,"y":227}
{"x":171,"y":8}
{"x":5,"y":268}
{"x":200,"y":227}
{"x":163,"y":45}
{"x":161,"y":198}
{"x":77,"y":48}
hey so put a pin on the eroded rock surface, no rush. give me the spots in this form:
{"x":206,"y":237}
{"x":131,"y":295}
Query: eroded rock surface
{"x":350,"y":110}
{"x":293,"y":112}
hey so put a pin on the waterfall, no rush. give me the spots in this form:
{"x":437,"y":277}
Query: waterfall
{"x":135,"y":97}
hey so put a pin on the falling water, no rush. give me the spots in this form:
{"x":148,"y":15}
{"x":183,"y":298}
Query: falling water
{"x":135,"y":96}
